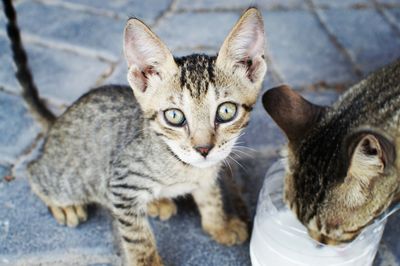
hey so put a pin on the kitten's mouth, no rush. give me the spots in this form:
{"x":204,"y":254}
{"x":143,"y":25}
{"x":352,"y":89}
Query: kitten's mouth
{"x":196,"y":160}
{"x":205,"y":163}
{"x":199,"y":163}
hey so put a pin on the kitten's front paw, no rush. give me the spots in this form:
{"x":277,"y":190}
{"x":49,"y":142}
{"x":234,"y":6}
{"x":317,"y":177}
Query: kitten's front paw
{"x":163,"y":208}
{"x":70,"y":216}
{"x":152,"y":259}
{"x":234,"y":232}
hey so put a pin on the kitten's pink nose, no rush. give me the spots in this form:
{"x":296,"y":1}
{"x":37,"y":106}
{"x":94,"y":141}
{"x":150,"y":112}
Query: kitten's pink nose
{"x":204,"y":150}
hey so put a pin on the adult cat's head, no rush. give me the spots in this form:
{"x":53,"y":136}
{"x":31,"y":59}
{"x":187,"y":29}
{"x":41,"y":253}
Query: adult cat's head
{"x":339,"y":176}
{"x":198,"y":104}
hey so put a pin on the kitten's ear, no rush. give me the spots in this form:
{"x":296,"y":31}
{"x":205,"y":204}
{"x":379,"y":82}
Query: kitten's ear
{"x":243,"y":50}
{"x":293,"y":114}
{"x":369,"y":153}
{"x":146,"y":55}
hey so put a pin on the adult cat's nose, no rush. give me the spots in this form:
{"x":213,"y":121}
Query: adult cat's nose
{"x":204,"y":149}
{"x":326,"y":240}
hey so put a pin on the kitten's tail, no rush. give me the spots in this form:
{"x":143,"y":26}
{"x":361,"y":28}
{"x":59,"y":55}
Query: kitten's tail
{"x":23,"y":73}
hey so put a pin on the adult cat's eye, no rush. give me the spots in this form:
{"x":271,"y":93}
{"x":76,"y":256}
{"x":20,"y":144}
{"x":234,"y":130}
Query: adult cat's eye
{"x":174,"y":117}
{"x":226,"y":112}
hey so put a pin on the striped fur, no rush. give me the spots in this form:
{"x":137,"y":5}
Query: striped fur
{"x":114,"y":146}
{"x":343,"y":170}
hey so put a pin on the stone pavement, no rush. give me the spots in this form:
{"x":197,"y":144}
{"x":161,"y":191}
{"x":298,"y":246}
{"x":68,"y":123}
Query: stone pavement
{"x":318,"y":46}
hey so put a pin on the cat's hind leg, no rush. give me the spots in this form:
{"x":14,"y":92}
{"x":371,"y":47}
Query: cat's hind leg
{"x":70,"y":215}
{"x":163,"y":208}
{"x":55,"y":191}
{"x":65,"y":211}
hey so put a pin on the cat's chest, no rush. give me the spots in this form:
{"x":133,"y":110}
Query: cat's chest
{"x":175,"y":190}
{"x":186,"y":182}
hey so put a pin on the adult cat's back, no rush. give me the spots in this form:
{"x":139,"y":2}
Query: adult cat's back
{"x":372,"y":104}
{"x":374,"y":101}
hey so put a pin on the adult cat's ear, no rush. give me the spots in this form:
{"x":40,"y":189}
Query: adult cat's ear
{"x":369,"y":153}
{"x":293,"y":114}
{"x":243,"y":50}
{"x":147,"y":57}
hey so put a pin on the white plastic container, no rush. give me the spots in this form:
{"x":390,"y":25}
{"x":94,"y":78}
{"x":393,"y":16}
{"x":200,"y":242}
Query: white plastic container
{"x":279,"y":239}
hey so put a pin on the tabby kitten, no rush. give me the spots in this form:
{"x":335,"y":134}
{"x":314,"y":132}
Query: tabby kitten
{"x":134,"y":149}
{"x":342,"y":167}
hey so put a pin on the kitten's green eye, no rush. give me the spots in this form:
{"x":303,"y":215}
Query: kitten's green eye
{"x":226,"y":112}
{"x":175,"y":117}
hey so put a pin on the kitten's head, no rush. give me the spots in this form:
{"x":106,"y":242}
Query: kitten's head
{"x":197,"y":104}
{"x":338,"y":179}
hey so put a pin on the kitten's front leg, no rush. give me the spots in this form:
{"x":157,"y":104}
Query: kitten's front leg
{"x":224,"y":230}
{"x":137,"y":238}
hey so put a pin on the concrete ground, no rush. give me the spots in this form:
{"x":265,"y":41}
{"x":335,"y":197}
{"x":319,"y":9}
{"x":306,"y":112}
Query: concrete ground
{"x":320,"y":47}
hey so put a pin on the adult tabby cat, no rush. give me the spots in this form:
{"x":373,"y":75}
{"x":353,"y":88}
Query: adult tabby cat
{"x":342,"y":167}
{"x":133,"y":149}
